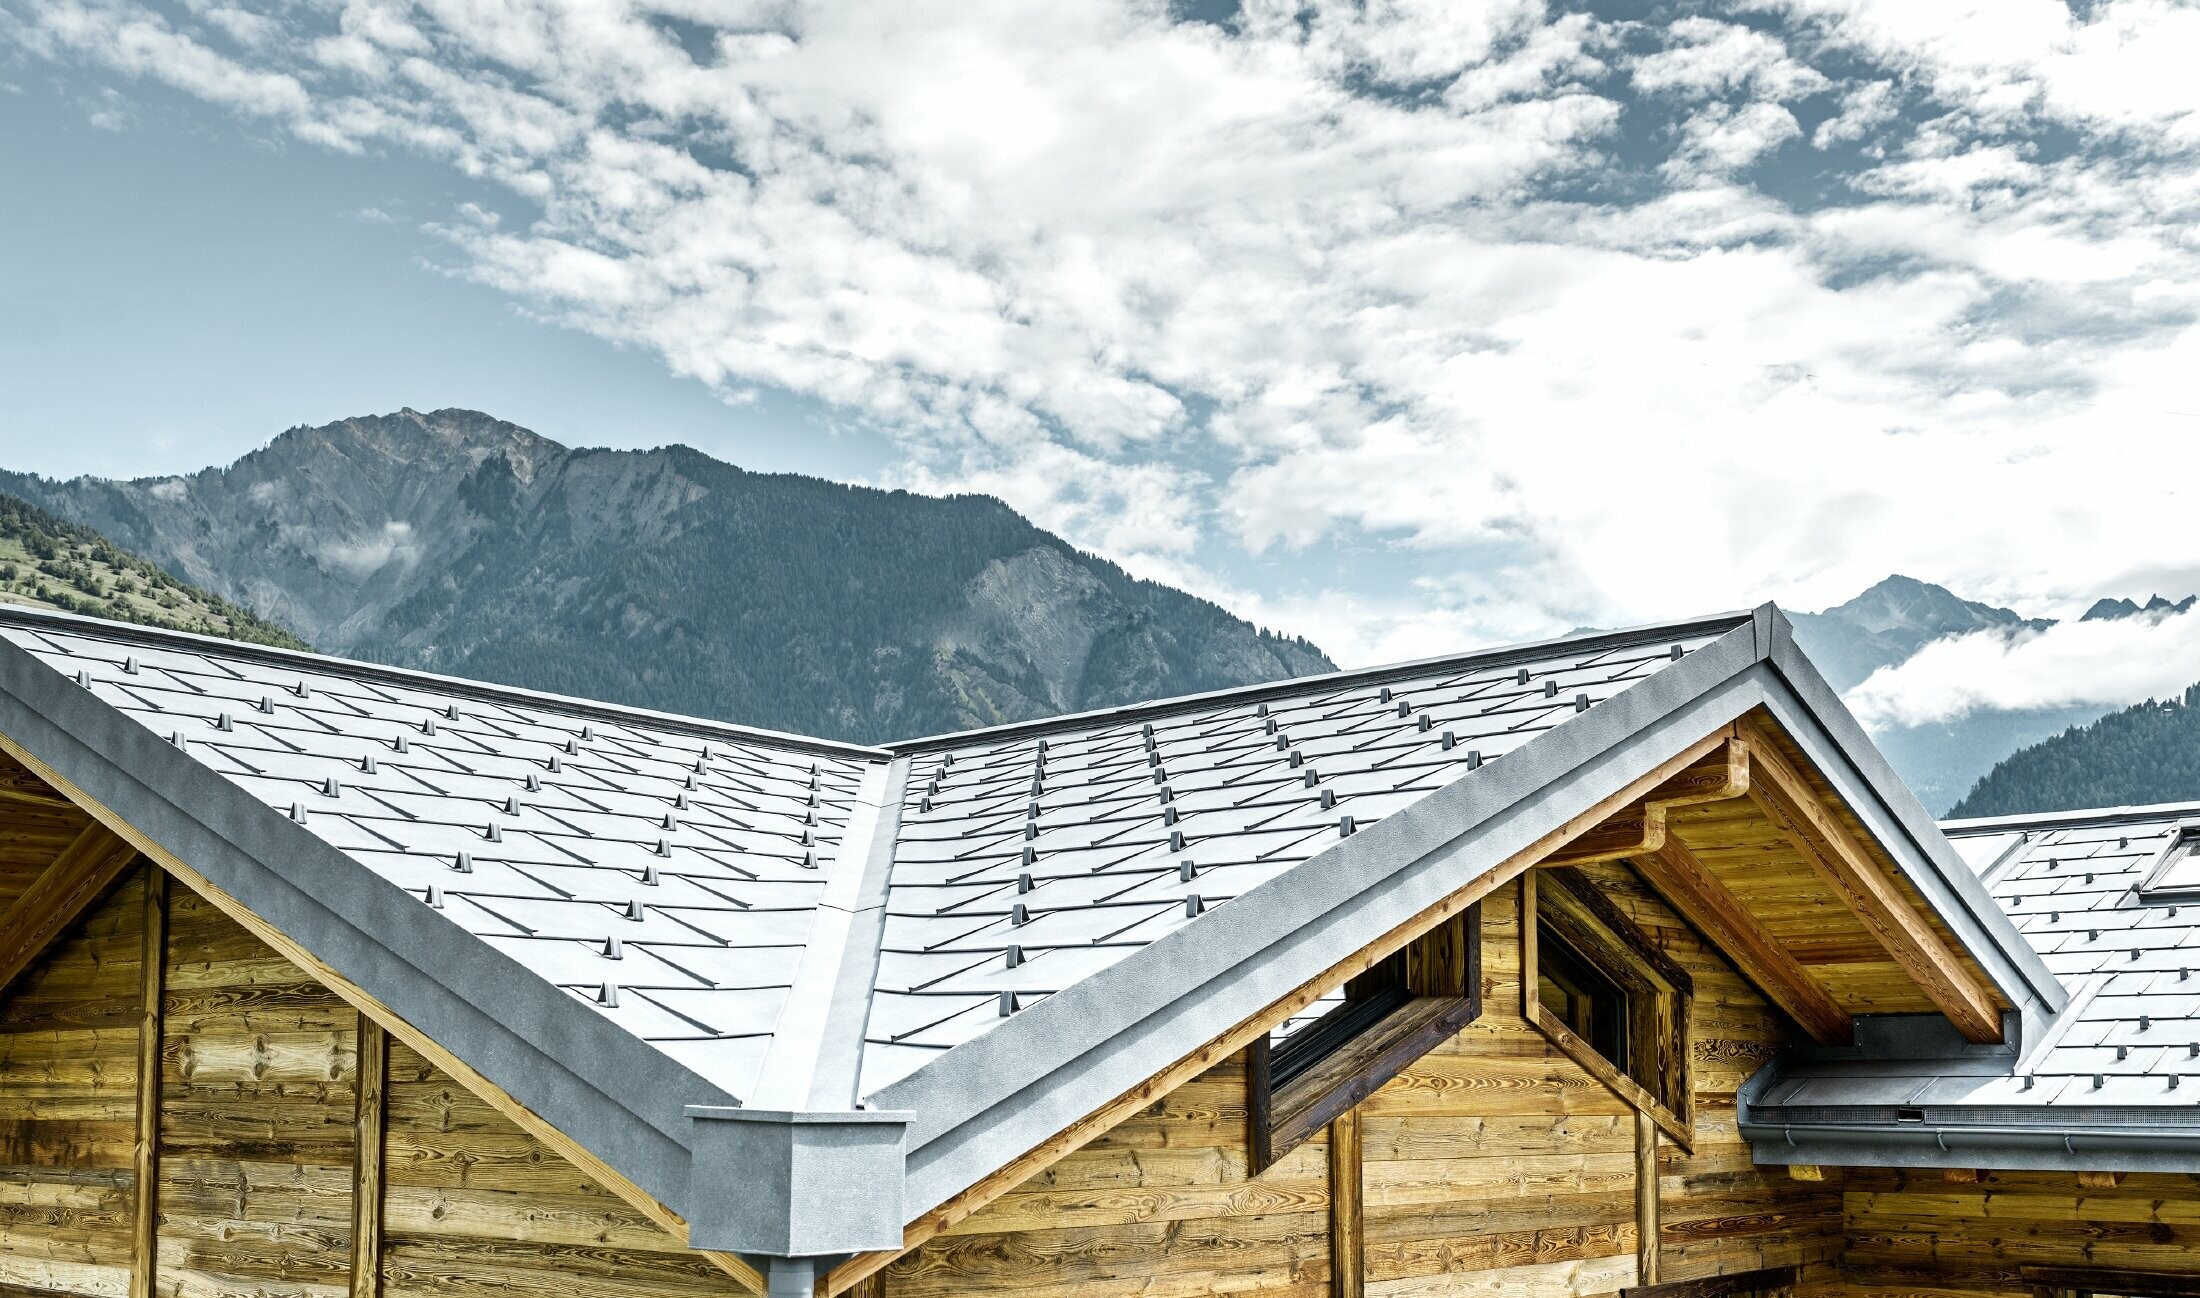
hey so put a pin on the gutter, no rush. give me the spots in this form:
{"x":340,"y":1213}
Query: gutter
{"x":2005,"y":1147}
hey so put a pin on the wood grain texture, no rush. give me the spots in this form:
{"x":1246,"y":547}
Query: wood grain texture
{"x":69,"y":1104}
{"x":1647,"y":1230}
{"x":1347,"y":1233}
{"x":1948,"y":977}
{"x":80,"y":874}
{"x":1907,"y":1228}
{"x":1683,"y":881}
{"x":145,"y":1148}
{"x":370,"y":1118}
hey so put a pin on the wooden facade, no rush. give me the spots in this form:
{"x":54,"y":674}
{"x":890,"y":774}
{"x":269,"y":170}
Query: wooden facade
{"x":189,"y":1112}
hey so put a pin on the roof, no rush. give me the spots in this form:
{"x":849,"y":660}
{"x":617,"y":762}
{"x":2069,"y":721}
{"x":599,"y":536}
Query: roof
{"x":976,"y":939}
{"x":2116,"y":1076}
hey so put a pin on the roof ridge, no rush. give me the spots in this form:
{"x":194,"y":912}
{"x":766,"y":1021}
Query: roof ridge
{"x":2073,"y":817}
{"x":1497,"y":655}
{"x":462,"y":686}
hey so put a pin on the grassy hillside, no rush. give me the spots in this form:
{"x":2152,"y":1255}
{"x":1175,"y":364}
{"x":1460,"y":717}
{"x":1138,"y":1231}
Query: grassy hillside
{"x":2149,"y":752}
{"x":47,"y":563}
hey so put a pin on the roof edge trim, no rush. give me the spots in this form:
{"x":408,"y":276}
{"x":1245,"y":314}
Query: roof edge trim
{"x":1717,"y":623}
{"x":2065,"y":1147}
{"x":35,"y":619}
{"x":2077,"y":818}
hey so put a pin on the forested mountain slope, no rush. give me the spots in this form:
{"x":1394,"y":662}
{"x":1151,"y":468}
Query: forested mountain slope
{"x":2149,"y":752}
{"x":48,"y":563}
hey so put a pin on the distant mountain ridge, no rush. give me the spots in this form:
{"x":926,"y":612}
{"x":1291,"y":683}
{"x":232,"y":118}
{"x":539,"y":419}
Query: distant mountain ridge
{"x":1888,"y":623}
{"x":461,"y":543}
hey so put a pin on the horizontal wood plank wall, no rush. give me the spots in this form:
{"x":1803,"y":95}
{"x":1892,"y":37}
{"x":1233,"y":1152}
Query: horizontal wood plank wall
{"x":259,"y":1072}
{"x":474,"y":1205}
{"x":1493,"y":1165}
{"x":1915,"y":1232}
{"x":1162,"y":1206}
{"x":68,"y":1108}
{"x":1718,"y":1211}
{"x":1496,"y":1164}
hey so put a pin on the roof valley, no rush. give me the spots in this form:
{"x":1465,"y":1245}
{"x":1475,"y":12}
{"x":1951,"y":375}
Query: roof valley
{"x":815,"y":1059}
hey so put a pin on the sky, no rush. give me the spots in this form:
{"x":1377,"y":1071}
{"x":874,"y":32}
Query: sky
{"x":1407,"y":325}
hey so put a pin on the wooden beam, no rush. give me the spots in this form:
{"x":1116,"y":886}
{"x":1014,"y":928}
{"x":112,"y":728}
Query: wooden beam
{"x":145,"y":1151}
{"x":1222,"y":1046}
{"x":1640,"y":828}
{"x":370,"y":1121}
{"x":1646,"y":1198}
{"x":63,"y":891}
{"x":1722,"y":772}
{"x":1939,"y":968}
{"x":2114,"y":1280}
{"x":1677,"y":875}
{"x":534,"y":1124}
{"x":1347,"y":1237}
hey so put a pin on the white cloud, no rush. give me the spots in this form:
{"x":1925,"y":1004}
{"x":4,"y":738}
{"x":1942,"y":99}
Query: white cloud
{"x":1708,"y":58}
{"x":1385,"y":294}
{"x":2105,"y":664}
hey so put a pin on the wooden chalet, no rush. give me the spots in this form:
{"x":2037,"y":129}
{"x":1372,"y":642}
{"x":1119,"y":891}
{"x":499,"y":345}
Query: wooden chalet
{"x":1620,"y":964}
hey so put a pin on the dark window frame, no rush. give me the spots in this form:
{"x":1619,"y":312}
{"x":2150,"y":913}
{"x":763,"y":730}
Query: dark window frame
{"x":1417,"y":997}
{"x":1654,"y":1074}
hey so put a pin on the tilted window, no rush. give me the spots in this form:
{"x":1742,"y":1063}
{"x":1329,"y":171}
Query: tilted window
{"x":1604,"y":993}
{"x":1335,"y":1053}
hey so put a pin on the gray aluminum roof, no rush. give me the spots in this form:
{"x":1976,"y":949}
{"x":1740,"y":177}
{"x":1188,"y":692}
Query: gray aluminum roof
{"x":634,"y":922}
{"x":2118,"y":1072}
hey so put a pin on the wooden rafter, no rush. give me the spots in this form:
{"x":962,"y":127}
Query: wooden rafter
{"x":534,"y":1124}
{"x":79,"y":876}
{"x":1689,"y":887}
{"x":1720,"y":774}
{"x":1937,"y":966}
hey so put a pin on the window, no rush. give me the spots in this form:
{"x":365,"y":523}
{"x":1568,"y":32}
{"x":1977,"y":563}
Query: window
{"x":1580,"y":996}
{"x":1323,"y":1061}
{"x":1604,"y":994}
{"x":2176,"y":872}
{"x":1336,"y":1020}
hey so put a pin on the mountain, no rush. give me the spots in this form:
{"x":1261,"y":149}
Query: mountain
{"x":460,"y":543}
{"x":47,"y":563}
{"x":1891,"y":621}
{"x":1883,"y":627}
{"x":2109,"y":609}
{"x":2149,"y":752}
